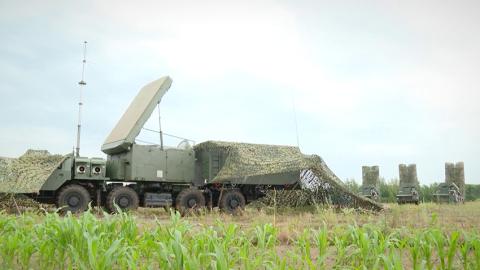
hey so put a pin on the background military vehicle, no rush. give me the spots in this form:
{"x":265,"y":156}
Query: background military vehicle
{"x":370,"y":182}
{"x":188,"y":177}
{"x":453,"y":189}
{"x":447,"y":193}
{"x":455,"y":173}
{"x":408,"y":186}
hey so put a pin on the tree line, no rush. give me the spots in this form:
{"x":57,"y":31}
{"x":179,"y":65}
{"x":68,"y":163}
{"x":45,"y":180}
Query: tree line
{"x":389,"y":190}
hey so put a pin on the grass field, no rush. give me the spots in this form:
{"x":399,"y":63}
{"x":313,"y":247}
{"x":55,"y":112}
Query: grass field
{"x":428,"y":236}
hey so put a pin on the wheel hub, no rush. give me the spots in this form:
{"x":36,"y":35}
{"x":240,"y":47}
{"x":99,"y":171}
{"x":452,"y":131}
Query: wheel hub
{"x":234,"y":203}
{"x":123,"y":202}
{"x":192,"y":202}
{"x":73,"y":201}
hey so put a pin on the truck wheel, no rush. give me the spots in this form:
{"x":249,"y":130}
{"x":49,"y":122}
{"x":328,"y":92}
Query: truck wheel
{"x":189,"y":200}
{"x":124,"y":197}
{"x":73,"y":198}
{"x":232,"y":202}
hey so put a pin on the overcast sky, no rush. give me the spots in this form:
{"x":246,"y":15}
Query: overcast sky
{"x":371,"y":82}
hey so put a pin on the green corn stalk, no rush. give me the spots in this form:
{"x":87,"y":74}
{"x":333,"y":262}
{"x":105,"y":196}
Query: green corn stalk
{"x":391,"y":261}
{"x":26,"y":249}
{"x":452,"y":248}
{"x":476,"y":251}
{"x":426,"y":248}
{"x":115,"y":242}
{"x":414,"y":248}
{"x":340,"y":247}
{"x":321,"y":239}
{"x":439,"y":241}
{"x":265,"y":236}
{"x":465,"y":247}
{"x":10,"y":244}
{"x":304,"y":246}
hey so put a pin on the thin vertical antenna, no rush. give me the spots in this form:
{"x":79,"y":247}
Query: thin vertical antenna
{"x":295,"y":119}
{"x":82,"y":84}
{"x":160,"y":127}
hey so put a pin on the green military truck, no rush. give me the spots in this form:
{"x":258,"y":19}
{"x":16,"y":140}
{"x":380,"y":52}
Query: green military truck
{"x":188,"y":177}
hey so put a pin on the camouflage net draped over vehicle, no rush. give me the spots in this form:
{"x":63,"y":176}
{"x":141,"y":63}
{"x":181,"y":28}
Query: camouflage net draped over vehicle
{"x":319,"y":184}
{"x":27,"y":173}
{"x":18,"y":203}
{"x":246,"y":159}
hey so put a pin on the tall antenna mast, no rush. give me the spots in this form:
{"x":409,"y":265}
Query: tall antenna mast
{"x":82,"y":84}
{"x":160,"y":127}
{"x":295,"y":119}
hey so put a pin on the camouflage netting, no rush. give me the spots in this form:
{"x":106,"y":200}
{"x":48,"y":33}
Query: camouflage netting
{"x":27,"y":173}
{"x":320,"y":184}
{"x":246,"y":159}
{"x":18,"y":203}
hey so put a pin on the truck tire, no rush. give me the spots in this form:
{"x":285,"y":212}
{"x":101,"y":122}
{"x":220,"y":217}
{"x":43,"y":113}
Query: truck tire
{"x":123,"y":197}
{"x":73,"y":198}
{"x":232,"y":202}
{"x":189,"y":200}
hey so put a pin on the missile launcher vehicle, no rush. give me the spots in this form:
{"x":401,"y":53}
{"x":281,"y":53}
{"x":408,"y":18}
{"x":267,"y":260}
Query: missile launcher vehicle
{"x":187,"y":177}
{"x":408,"y":194}
{"x":409,"y":185}
{"x":453,"y":189}
{"x":448,"y":193}
{"x":370,"y":182}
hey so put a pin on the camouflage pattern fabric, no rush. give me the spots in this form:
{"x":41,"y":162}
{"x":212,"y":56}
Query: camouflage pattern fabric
{"x":320,"y":184}
{"x":18,"y":203}
{"x":332,"y":190}
{"x":246,"y":159}
{"x":27,"y":173}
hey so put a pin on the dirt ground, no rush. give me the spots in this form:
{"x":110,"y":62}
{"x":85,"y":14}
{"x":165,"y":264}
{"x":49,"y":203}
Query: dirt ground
{"x":447,"y":217}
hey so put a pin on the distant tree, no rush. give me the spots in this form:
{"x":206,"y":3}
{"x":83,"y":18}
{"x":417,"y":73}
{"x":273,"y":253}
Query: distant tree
{"x":388,"y":190}
{"x":352,"y":185}
{"x":427,"y":191}
{"x":472,"y":192}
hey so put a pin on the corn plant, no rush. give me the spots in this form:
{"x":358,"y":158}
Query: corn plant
{"x":86,"y":241}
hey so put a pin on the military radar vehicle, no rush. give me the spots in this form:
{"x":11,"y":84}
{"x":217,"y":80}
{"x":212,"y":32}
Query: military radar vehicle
{"x":187,"y":177}
{"x":408,"y":186}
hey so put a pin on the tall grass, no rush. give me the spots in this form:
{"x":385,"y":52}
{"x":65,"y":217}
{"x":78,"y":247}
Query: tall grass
{"x":118,"y":242}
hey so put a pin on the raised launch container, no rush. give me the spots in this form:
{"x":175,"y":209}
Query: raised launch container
{"x":370,"y":182}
